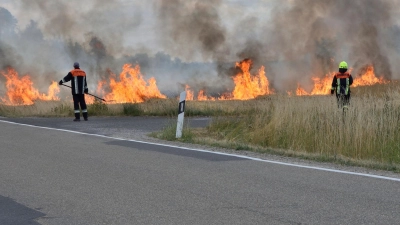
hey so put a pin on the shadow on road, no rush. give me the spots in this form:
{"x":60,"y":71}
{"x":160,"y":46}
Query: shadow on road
{"x":14,"y":213}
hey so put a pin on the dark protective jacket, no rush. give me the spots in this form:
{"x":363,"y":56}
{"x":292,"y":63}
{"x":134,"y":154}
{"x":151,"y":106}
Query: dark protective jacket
{"x":78,"y":81}
{"x":341,"y":83}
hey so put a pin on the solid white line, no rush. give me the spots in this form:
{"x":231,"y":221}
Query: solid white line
{"x":212,"y":152}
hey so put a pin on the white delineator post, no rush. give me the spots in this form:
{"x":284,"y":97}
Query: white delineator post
{"x":181,"y":114}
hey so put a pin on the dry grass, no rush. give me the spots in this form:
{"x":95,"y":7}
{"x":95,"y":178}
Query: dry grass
{"x":40,"y":108}
{"x":56,"y":109}
{"x":368,"y":132}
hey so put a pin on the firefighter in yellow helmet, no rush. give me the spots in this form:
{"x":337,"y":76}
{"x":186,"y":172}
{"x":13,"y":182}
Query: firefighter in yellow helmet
{"x":341,"y":85}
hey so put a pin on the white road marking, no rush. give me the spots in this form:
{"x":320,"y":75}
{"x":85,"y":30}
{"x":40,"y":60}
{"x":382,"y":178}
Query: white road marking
{"x":212,"y":152}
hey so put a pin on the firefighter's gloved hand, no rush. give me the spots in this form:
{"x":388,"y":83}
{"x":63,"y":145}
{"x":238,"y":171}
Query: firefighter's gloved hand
{"x":86,"y":90}
{"x":332,"y":91}
{"x":60,"y":82}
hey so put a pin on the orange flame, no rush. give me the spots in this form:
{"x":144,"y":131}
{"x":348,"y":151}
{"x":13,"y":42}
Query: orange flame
{"x":247,"y":86}
{"x":322,"y":86}
{"x":369,"y":78}
{"x":201,"y":96}
{"x":300,"y":91}
{"x":20,"y":91}
{"x":131,"y":86}
{"x":99,"y":91}
{"x":189,"y":93}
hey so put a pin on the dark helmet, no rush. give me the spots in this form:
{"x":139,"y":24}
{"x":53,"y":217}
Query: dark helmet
{"x":76,"y":65}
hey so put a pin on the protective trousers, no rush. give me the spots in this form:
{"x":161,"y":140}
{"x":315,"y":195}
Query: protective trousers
{"x":79,"y":99}
{"x":343,"y":100}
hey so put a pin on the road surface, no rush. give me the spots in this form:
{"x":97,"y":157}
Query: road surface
{"x":90,"y":176}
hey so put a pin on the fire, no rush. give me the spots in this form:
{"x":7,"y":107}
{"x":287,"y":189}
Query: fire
{"x":20,"y":91}
{"x":368,"y":78}
{"x":99,"y":91}
{"x":189,"y":93}
{"x":201,"y":96}
{"x":300,"y":91}
{"x":247,"y":86}
{"x":131,"y":86}
{"x":89,"y":99}
{"x":323,"y":85}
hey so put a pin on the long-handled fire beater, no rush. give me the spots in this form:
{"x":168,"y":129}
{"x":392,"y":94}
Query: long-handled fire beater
{"x":87,"y":93}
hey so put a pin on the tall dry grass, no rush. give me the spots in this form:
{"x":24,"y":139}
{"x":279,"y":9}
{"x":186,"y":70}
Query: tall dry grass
{"x":40,"y":108}
{"x":57,"y":109}
{"x":152,"y":107}
{"x":368,"y":131}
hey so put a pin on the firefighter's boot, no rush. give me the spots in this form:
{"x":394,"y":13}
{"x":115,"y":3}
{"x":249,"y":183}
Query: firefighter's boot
{"x":77,"y":117}
{"x":85,"y":116}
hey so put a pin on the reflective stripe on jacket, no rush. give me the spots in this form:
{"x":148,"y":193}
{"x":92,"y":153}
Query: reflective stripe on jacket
{"x":341,"y":83}
{"x":78,"y":81}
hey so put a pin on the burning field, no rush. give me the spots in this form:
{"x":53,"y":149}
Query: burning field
{"x":21,"y":90}
{"x":130,"y":86}
{"x":283,"y":47}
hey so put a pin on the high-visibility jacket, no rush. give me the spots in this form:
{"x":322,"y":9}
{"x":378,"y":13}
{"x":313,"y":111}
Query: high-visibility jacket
{"x":341,"y":83}
{"x":78,"y":81}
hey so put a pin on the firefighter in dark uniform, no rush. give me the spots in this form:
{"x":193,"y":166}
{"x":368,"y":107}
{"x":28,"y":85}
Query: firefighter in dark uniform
{"x":79,"y":88}
{"x":341,"y":86}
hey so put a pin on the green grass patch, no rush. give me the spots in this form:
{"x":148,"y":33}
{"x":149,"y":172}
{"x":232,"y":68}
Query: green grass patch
{"x":98,"y":108}
{"x":169,"y":133}
{"x":132,"y":110}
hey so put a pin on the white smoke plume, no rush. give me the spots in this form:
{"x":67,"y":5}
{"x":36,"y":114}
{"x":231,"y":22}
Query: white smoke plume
{"x":301,"y":39}
{"x":197,"y":42}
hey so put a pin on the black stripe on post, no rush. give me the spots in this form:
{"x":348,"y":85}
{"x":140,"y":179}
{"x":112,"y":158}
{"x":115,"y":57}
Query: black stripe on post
{"x":181,"y":107}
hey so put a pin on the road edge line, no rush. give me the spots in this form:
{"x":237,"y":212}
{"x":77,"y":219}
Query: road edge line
{"x":214,"y":152}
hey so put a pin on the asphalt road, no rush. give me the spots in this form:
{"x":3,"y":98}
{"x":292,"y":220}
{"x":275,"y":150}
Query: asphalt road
{"x":51,"y":176}
{"x":111,"y":126}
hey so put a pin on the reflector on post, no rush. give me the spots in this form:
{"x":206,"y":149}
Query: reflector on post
{"x":181,"y":114}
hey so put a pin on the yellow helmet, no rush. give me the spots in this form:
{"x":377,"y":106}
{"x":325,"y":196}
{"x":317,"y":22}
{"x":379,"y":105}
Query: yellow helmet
{"x":343,"y":65}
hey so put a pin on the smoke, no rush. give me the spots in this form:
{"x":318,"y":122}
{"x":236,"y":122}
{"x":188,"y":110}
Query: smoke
{"x":192,"y":30}
{"x":66,"y":19}
{"x":198,"y":42}
{"x":190,"y":26}
{"x":300,"y":39}
{"x":320,"y":34}
{"x":53,"y":34}
{"x":50,"y":35}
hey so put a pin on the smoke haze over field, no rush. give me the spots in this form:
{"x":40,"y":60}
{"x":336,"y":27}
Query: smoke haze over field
{"x":300,"y":39}
{"x":197,"y":42}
